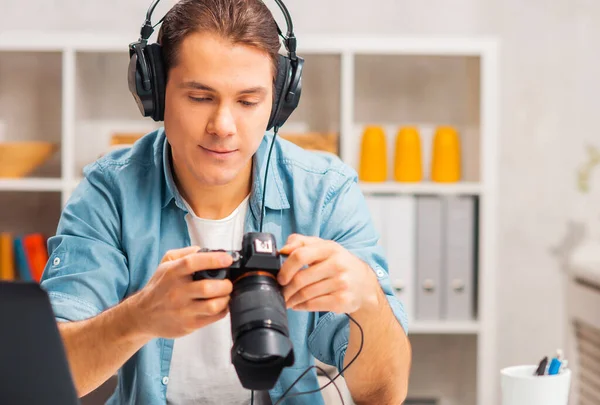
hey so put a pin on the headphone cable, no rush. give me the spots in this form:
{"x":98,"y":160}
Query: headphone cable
{"x":332,"y":380}
{"x":264,"y":190}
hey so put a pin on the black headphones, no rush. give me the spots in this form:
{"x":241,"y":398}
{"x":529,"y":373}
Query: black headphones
{"x":146,"y":75}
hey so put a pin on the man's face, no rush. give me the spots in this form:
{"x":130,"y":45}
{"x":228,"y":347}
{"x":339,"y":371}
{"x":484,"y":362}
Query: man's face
{"x":217,"y":106}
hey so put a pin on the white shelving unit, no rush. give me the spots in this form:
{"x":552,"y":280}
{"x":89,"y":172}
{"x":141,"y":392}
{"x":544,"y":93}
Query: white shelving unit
{"x":445,"y":328}
{"x":92,"y":62}
{"x":31,"y":184}
{"x":463,"y":188}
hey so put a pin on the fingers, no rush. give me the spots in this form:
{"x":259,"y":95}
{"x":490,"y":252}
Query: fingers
{"x":304,"y":256}
{"x":175,"y":254}
{"x":295,"y":241}
{"x":211,"y":319}
{"x":311,"y":275}
{"x":193,"y":262}
{"x":312,"y":291}
{"x":210,"y":307}
{"x":206,"y":289}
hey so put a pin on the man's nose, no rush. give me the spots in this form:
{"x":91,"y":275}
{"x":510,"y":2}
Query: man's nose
{"x":222,"y":123}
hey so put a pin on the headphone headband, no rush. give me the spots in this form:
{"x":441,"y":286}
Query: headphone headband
{"x":289,"y":40}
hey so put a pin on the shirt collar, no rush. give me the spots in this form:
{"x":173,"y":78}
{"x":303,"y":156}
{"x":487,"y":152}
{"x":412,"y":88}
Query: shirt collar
{"x":275,"y":199}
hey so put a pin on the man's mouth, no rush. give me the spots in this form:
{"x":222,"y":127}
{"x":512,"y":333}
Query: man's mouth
{"x":218,"y":151}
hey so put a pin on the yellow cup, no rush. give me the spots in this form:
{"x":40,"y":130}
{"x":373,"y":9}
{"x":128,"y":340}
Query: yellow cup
{"x":373,"y":155}
{"x":407,"y":158}
{"x":446,"y":159}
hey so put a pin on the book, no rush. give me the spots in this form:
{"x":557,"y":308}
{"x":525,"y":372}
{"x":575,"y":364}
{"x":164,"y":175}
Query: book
{"x":22,"y":265}
{"x":7,"y":257}
{"x":36,"y":253}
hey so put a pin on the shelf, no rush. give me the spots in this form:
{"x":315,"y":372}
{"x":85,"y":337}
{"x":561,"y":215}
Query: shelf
{"x":443,"y":328}
{"x":31,"y":184}
{"x":391,"y":187}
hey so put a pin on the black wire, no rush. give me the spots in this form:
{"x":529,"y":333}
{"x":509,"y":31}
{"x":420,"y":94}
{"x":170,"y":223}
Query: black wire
{"x":252,"y":398}
{"x":362,"y":338}
{"x":264,"y":191}
{"x":161,"y":20}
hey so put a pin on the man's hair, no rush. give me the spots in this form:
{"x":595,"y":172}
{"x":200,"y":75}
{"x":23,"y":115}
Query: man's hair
{"x":247,"y":22}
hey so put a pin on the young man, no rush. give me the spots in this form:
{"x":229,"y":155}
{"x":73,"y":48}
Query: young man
{"x":119,"y":274}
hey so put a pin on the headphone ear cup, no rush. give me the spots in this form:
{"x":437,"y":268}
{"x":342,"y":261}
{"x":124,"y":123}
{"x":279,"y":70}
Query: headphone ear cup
{"x":282,"y":81}
{"x":143,"y":97}
{"x":158,"y":80}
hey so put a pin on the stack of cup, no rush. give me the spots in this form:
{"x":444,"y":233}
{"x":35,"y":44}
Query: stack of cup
{"x":373,"y":155}
{"x":407,"y":158}
{"x":445,"y":161}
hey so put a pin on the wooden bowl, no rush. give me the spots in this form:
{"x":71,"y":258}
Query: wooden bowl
{"x":319,"y":141}
{"x":18,"y":159}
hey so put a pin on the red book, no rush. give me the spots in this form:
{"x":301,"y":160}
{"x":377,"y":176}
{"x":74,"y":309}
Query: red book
{"x":37,"y":254}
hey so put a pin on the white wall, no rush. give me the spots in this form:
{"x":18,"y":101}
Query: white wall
{"x":550,"y":76}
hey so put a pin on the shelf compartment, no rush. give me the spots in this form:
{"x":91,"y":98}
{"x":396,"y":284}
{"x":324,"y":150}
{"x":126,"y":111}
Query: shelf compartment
{"x":319,"y":108}
{"x":23,"y":212}
{"x":104,"y":105}
{"x":395,"y":91}
{"x":30,"y":108}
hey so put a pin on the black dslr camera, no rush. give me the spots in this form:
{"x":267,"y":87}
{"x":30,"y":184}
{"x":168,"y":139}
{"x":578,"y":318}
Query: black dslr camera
{"x":259,"y":326}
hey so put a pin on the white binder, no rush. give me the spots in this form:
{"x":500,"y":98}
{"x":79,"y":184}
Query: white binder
{"x":376,"y":209}
{"x":459,"y":258}
{"x":400,"y":242}
{"x":429,"y":258}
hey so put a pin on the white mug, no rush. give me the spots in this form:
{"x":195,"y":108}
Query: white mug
{"x":521,"y":387}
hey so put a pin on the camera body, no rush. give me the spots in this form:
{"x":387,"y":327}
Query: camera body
{"x":258,"y":254}
{"x":259,"y":328}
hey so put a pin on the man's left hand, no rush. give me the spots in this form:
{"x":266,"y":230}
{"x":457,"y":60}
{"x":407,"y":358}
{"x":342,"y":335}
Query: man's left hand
{"x":335,"y":280}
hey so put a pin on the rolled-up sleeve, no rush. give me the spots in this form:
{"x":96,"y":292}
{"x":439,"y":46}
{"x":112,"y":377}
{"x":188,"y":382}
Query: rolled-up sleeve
{"x":87,"y":271}
{"x":348,"y":222}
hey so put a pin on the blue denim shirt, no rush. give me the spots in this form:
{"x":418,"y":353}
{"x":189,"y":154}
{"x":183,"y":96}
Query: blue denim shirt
{"x":127,"y":213}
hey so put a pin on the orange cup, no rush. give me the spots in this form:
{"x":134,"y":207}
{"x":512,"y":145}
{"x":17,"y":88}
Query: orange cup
{"x":446,"y":159}
{"x":407,"y":159}
{"x":373,"y":155}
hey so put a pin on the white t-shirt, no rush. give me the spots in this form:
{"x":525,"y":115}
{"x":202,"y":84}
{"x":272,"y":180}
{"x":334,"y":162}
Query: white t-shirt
{"x":201,"y":371}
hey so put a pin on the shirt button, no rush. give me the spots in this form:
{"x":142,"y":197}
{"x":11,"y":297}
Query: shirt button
{"x":165,"y":380}
{"x":380,"y":273}
{"x":56,"y":261}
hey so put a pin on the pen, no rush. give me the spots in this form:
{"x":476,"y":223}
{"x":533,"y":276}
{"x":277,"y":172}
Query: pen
{"x":555,"y":363}
{"x":541,"y":370}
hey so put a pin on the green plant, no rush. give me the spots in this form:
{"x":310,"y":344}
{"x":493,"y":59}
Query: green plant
{"x":584,"y":173}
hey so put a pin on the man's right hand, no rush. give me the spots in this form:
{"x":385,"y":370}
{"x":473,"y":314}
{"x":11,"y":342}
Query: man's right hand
{"x":172,"y":304}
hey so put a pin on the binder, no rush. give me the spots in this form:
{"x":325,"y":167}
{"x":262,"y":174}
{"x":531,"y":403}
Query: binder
{"x":429,"y":258}
{"x":459,"y":258}
{"x":400,"y":212}
{"x":377,"y":211}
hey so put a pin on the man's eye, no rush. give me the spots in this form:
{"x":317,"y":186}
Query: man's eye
{"x":248,"y":103}
{"x":199,"y":99}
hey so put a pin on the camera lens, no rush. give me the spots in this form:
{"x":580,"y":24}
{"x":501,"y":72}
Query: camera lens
{"x":261,"y":344}
{"x":256,"y":301}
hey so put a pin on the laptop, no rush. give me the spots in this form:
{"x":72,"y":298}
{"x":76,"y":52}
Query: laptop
{"x":33,"y":363}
